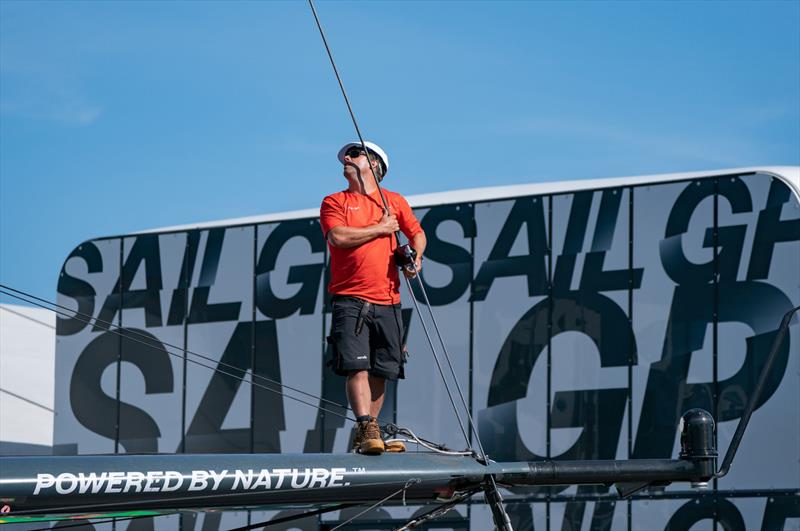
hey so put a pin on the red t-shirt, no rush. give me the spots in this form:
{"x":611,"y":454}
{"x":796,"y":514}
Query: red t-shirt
{"x":367,"y":271}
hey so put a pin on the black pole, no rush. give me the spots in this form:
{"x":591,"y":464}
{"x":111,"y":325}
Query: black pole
{"x":751,"y":406}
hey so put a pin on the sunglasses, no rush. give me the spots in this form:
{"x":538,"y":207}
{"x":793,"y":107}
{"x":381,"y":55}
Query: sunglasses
{"x":354,"y":152}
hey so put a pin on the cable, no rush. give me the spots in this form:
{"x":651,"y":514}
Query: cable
{"x":409,"y":483}
{"x":386,"y":208}
{"x":285,"y":519}
{"x":482,"y":458}
{"x":146,"y":340}
{"x":438,"y":511}
{"x":449,"y":361}
{"x":149,"y":343}
{"x":139,"y":334}
{"x":349,"y":107}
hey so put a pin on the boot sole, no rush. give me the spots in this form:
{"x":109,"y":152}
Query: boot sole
{"x":395,"y":448}
{"x":369,"y":447}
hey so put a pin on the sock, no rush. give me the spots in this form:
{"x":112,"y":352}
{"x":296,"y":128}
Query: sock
{"x":363,"y":418}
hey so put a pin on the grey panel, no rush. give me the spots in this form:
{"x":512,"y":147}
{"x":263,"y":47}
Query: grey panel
{"x":752,"y":511}
{"x":422,"y":402}
{"x":672,"y":311}
{"x":591,"y":338}
{"x":510,"y":328}
{"x":220,"y":327}
{"x":151,"y":373}
{"x":589,"y":515}
{"x":759,"y":282}
{"x":304,"y":524}
{"x":289,"y":300}
{"x":214,"y":521}
{"x":86,"y":356}
{"x":523,"y":516}
{"x":694,"y":514}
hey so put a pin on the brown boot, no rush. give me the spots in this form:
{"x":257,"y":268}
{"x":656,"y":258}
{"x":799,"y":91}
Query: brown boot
{"x":394,"y":447}
{"x":372,"y":444}
{"x":358,"y":436}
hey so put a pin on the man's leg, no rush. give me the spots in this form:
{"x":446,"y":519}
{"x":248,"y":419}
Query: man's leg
{"x":388,"y":342}
{"x":377,"y":387}
{"x":367,"y":439}
{"x":358,"y":392}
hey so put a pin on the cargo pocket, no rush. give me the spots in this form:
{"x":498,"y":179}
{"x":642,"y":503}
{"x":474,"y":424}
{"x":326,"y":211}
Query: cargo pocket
{"x":335,"y":360}
{"x":401,"y":374}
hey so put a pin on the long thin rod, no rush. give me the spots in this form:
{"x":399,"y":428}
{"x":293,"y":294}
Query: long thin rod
{"x":88,"y":319}
{"x":438,"y":363}
{"x":385,"y":206}
{"x":751,"y":406}
{"x":147,"y":341}
{"x":350,"y":109}
{"x":449,"y":361}
{"x":118,"y":330}
{"x":285,"y":519}
{"x":412,"y":481}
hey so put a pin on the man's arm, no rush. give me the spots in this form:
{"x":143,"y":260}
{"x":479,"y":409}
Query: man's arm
{"x":346,"y":237}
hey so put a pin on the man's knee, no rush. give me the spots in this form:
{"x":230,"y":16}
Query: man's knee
{"x":358,"y":375}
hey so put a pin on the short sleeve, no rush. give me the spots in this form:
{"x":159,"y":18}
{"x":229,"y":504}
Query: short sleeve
{"x":331,"y":215}
{"x":406,"y":218}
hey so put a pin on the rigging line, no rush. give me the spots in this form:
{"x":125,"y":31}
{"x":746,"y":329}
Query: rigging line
{"x":28,"y":400}
{"x":215,"y":496}
{"x":386,"y":207}
{"x":150,"y":344}
{"x":428,"y":444}
{"x":137,"y":333}
{"x":20,"y":314}
{"x":317,"y":512}
{"x":449,"y":361}
{"x":347,"y":102}
{"x":436,"y":512}
{"x":438,"y":363}
{"x":388,"y":427}
{"x":409,"y":483}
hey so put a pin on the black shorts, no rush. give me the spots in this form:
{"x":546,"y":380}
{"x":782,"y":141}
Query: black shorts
{"x":366,"y":337}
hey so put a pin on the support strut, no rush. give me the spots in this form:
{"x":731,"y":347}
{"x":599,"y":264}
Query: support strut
{"x":495,"y":502}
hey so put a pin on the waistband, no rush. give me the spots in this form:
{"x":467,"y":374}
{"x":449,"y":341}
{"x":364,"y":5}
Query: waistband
{"x":335,"y":297}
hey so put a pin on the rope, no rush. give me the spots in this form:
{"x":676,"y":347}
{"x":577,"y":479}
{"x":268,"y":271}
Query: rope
{"x":409,"y":483}
{"x":133,"y":335}
{"x":149,"y":343}
{"x":471,"y":422}
{"x":396,"y":234}
{"x":88,"y":319}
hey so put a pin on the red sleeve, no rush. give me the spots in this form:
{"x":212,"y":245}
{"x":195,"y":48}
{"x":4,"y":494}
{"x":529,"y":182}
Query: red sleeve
{"x":331,"y":214}
{"x":406,"y":218}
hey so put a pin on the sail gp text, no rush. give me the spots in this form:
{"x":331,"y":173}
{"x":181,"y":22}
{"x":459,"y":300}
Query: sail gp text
{"x":196,"y":480}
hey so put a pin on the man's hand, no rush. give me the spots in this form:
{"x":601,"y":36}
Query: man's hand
{"x":410,"y":272}
{"x":388,"y":224}
{"x":347,"y":237}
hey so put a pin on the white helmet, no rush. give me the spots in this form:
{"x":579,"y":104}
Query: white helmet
{"x":372,"y":147}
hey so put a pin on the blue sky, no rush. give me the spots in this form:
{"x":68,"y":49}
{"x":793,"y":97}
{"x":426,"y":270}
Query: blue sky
{"x":124,"y":116}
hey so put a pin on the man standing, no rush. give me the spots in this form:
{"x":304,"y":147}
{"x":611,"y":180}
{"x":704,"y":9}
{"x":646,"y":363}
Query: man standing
{"x":367,"y":327}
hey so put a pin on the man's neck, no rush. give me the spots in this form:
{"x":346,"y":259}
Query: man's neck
{"x":368,"y":187}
